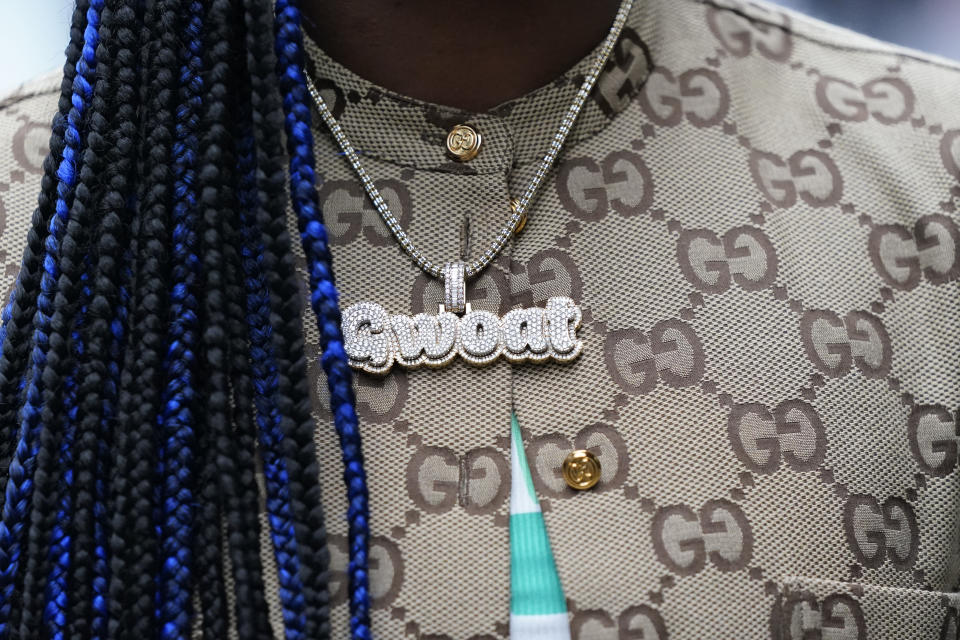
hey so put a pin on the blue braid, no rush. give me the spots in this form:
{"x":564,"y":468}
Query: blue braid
{"x":56,"y":593}
{"x":177,"y":417}
{"x":265,"y":383}
{"x":323,"y":300}
{"x":20,"y":481}
{"x":56,"y":596}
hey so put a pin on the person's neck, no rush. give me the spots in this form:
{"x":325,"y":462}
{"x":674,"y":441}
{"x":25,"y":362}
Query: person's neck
{"x":470,"y":54}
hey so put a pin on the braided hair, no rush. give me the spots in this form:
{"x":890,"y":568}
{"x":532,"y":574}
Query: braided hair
{"x":151,"y":353}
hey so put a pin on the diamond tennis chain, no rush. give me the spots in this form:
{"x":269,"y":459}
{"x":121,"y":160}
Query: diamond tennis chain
{"x":374,"y":341}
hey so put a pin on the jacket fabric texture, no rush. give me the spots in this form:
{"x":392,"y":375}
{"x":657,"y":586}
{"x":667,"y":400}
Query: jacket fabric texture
{"x":757,"y":213}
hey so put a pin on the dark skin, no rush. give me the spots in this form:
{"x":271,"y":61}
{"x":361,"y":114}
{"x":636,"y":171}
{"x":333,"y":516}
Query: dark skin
{"x":469,"y":54}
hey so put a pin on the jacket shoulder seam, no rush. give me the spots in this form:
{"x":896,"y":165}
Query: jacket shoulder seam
{"x":894,"y":50}
{"x":15,"y":98}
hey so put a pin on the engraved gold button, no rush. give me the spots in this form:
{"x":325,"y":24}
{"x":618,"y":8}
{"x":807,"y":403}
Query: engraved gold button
{"x":581,"y":469}
{"x":523,"y":219}
{"x":463,"y":142}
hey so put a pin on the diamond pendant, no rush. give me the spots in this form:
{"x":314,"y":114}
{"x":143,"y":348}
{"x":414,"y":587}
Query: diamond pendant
{"x":375,"y":341}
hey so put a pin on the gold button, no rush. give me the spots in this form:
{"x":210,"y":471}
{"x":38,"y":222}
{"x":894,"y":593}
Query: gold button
{"x":463,"y":142}
{"x":581,"y":469}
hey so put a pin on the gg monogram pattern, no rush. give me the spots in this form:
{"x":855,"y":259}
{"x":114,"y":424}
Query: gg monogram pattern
{"x":758,"y":215}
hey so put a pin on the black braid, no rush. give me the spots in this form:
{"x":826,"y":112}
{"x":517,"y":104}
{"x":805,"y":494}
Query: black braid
{"x":18,"y":317}
{"x":218,"y":205}
{"x":237,"y":480}
{"x":153,"y":347}
{"x":132,"y":592}
{"x":293,"y":383}
{"x":238,"y":483}
{"x":97,"y":390}
{"x":46,"y":498}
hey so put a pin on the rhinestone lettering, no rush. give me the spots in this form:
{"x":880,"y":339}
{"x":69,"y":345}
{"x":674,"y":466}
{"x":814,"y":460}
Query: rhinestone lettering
{"x":374,"y":340}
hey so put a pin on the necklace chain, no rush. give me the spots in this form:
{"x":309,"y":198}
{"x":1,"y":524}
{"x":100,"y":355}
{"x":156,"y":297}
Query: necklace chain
{"x":474,"y":267}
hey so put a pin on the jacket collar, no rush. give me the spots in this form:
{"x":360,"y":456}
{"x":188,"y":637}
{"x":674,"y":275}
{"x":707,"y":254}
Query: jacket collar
{"x":411,"y":132}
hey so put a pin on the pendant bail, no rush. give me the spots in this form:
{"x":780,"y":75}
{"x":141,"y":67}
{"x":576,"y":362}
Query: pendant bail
{"x":454,"y":287}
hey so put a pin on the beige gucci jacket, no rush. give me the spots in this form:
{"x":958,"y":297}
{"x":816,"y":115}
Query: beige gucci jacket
{"x":758,"y":215}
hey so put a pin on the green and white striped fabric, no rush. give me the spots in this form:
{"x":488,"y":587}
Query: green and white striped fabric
{"x":538,"y":610}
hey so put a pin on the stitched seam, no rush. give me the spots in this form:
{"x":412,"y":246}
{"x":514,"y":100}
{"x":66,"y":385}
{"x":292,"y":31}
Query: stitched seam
{"x":16,"y":98}
{"x":832,"y":45}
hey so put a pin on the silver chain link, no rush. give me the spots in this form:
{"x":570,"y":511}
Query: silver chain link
{"x":475,"y":267}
